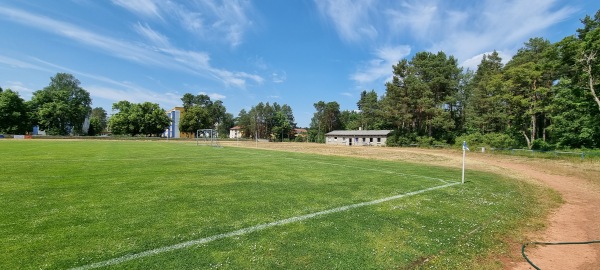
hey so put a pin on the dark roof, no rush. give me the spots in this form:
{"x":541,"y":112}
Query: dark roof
{"x":359,"y":133}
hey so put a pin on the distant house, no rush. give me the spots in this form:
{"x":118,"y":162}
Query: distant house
{"x":301,"y":132}
{"x":236,"y":132}
{"x":357,"y":137}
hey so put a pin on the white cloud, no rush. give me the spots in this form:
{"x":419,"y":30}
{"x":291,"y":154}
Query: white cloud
{"x":462,"y":29}
{"x":15,"y":63}
{"x":147,"y":8}
{"x":499,"y":25}
{"x":215,"y":20}
{"x":193,"y":62}
{"x":113,"y":92}
{"x":417,"y":17}
{"x":380,"y":66}
{"x":151,"y":35}
{"x":214,"y":96}
{"x":279,"y":77}
{"x":351,"y":19}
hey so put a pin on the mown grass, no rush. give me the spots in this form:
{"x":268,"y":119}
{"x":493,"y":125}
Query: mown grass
{"x":73,"y":203}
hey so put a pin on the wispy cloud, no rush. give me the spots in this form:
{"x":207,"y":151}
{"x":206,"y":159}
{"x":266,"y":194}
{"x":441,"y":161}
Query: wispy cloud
{"x":279,"y":77}
{"x":464,"y":30}
{"x":147,"y":8}
{"x":217,"y":20}
{"x":21,"y":64}
{"x":351,"y":19}
{"x":117,"y":90}
{"x":380,"y":67}
{"x":153,"y":36}
{"x":194,"y":62}
{"x":499,"y":25}
{"x":416,"y":17}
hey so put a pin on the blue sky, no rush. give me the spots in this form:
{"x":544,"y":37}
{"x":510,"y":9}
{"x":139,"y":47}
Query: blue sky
{"x":294,"y":52}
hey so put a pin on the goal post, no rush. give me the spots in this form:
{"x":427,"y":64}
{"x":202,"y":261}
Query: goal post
{"x":209,"y":137}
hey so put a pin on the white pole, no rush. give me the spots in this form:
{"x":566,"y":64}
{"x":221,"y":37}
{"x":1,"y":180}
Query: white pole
{"x":464,"y":148}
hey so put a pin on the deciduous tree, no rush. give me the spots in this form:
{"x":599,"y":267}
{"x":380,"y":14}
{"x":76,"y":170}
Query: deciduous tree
{"x":14,"y":118}
{"x":61,"y":107}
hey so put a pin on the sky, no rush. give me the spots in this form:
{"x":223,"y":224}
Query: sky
{"x":294,"y":52}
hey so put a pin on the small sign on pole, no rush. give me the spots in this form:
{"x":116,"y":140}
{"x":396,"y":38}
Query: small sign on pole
{"x":465,"y":149}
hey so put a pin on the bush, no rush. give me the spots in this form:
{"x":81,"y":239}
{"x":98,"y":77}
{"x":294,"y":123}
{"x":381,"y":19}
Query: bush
{"x":500,"y":140}
{"x":541,"y":145}
{"x":494,"y":140}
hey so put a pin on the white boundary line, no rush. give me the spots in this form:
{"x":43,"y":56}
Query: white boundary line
{"x":248,"y":230}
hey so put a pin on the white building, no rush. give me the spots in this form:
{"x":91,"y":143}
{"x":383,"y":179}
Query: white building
{"x":357,"y":137}
{"x":173,"y":130}
{"x":235,"y":132}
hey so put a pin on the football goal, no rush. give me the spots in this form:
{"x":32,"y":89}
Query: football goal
{"x":209,"y":137}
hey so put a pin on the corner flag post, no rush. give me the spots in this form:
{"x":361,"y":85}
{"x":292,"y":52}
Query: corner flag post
{"x":464,"y":148}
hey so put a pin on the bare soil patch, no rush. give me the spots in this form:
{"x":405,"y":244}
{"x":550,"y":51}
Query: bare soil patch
{"x":578,"y":219}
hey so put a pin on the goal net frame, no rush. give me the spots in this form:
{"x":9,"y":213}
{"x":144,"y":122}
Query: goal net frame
{"x":208,"y":137}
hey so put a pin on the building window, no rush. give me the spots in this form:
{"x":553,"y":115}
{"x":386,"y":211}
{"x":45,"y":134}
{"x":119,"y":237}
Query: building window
{"x":364,"y":140}
{"x":335,"y":139}
{"x":370,"y":139}
{"x":378,"y":139}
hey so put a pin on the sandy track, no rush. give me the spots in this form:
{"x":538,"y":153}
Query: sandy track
{"x":578,"y":219}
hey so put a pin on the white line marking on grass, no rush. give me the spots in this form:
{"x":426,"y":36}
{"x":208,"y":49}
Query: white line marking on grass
{"x":248,"y":230}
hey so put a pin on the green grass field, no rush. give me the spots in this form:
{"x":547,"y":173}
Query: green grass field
{"x":69,"y":204}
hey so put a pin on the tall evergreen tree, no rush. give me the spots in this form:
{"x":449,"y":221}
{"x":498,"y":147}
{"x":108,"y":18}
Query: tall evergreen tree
{"x":421,"y":99}
{"x":530,"y":75}
{"x":369,"y":110}
{"x":487,"y":109}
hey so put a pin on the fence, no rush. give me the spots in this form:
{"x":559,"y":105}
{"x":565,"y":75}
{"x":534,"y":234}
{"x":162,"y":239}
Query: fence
{"x":544,"y":154}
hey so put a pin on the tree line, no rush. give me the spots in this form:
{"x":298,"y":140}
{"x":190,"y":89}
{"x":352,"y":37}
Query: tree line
{"x":545,"y":96}
{"x":63,"y":107}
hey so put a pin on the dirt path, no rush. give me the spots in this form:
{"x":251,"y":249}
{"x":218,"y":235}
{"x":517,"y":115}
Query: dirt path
{"x":578,"y":219}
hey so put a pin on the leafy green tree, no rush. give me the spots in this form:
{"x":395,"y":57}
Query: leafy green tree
{"x":325,"y":119}
{"x":573,"y":125}
{"x":98,"y":121}
{"x":266,"y":121}
{"x":530,"y":75}
{"x":61,"y":107}
{"x":590,"y":54}
{"x":201,"y":113}
{"x":14,"y":118}
{"x":283,"y":122}
{"x":138,"y":119}
{"x":122,"y":122}
{"x":243,"y":120}
{"x":153,"y":119}
{"x":575,"y":108}
{"x":351,"y":120}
